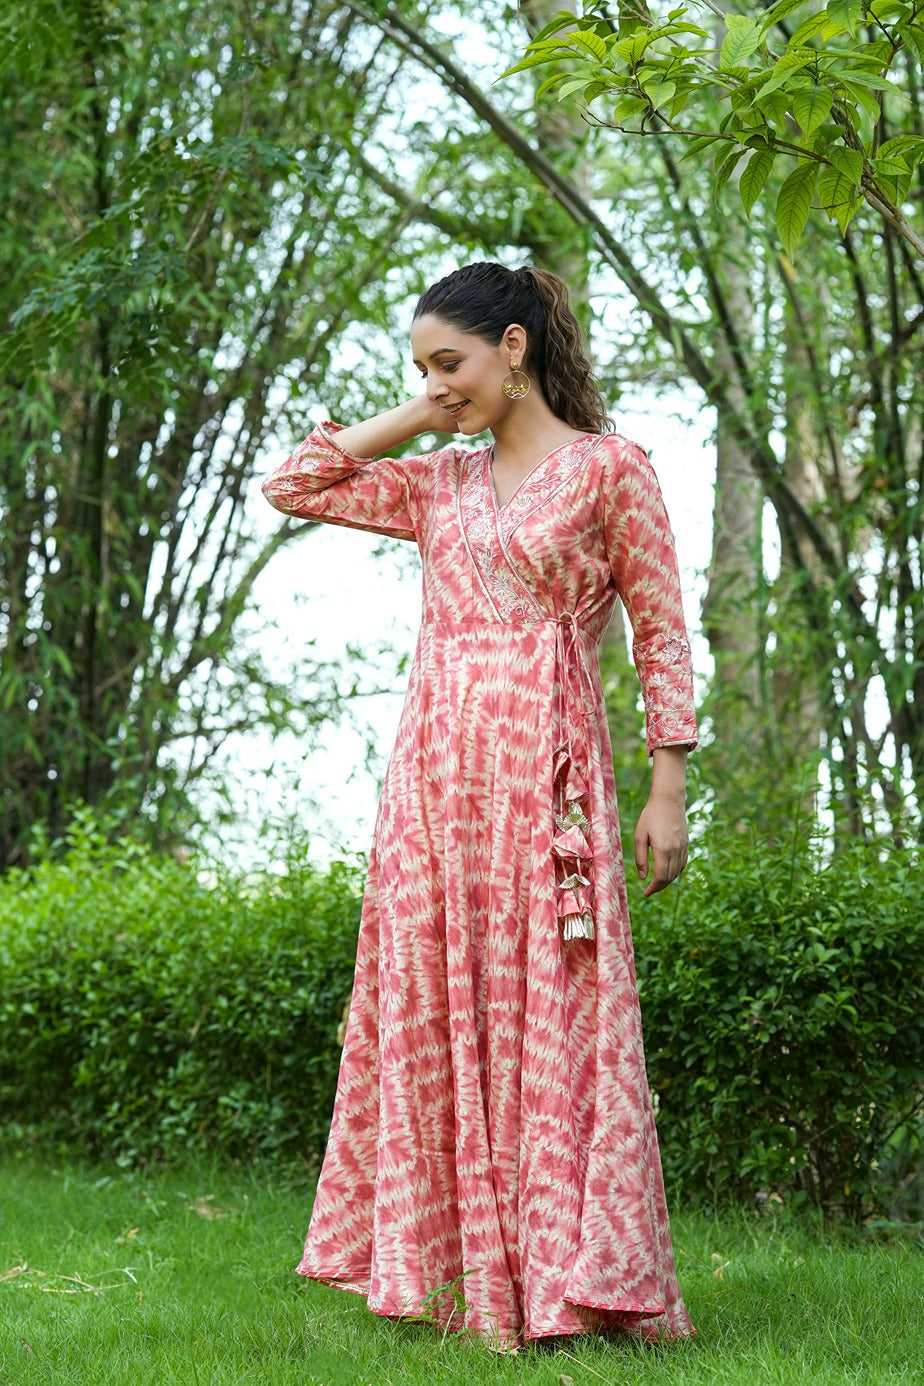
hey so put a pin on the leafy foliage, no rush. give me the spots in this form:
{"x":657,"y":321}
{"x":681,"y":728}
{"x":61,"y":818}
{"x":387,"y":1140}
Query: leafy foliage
{"x":145,"y":1013}
{"x":784,"y":1021}
{"x":184,"y":244}
{"x":815,"y":93}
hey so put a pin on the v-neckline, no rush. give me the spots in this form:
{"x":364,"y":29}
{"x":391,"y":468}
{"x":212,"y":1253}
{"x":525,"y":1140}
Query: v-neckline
{"x":498,"y":506}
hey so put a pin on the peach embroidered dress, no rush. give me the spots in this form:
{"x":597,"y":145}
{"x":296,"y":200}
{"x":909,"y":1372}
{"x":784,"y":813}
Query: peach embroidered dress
{"x":493,"y":1119}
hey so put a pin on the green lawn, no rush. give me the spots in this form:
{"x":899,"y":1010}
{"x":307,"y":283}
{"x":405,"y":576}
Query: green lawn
{"x":109,"y":1277}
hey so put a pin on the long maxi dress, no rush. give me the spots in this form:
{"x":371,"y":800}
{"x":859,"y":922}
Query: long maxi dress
{"x":493,"y":1125}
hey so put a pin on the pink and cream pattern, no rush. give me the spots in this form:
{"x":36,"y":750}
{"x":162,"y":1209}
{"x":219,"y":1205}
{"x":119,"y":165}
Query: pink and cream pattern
{"x":493,"y":1118}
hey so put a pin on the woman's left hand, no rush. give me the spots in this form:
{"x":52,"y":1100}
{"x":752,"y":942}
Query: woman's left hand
{"x":662,"y":833}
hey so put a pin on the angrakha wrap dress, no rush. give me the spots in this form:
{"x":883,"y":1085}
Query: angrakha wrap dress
{"x":493,"y":1125}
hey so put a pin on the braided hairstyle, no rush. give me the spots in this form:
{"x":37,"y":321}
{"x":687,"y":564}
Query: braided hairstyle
{"x":485,"y":298}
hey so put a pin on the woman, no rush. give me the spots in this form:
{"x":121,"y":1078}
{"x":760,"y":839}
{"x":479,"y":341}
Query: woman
{"x":493,"y":1119}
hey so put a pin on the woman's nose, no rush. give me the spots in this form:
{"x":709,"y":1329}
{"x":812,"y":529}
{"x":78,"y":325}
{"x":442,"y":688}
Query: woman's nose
{"x":436,"y":388}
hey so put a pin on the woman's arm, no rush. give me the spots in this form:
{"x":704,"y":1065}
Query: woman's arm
{"x":644,"y":566}
{"x":662,"y":825}
{"x":332,"y":476}
{"x":395,"y":426}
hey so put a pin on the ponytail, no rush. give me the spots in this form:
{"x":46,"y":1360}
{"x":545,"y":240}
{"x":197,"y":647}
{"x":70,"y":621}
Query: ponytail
{"x":485,"y":298}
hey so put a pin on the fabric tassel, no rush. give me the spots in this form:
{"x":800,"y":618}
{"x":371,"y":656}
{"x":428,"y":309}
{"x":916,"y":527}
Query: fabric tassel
{"x":574,"y":818}
{"x":575,"y":784}
{"x":573,"y":881}
{"x":579,"y":926}
{"x":560,"y":760}
{"x":569,"y":904}
{"x":572,"y":843}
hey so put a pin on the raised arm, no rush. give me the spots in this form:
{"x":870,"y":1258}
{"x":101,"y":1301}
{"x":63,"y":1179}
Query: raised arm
{"x":333,"y":475}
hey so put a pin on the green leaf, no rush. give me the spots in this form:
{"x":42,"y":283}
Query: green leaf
{"x":774,"y":106}
{"x":726,"y":161}
{"x":679,"y":103}
{"x":792,"y":61}
{"x":913,"y":34}
{"x":888,"y":11}
{"x":743,"y":38}
{"x":572,"y":85}
{"x":812,"y":107}
{"x":697,"y":146}
{"x":535,"y":60}
{"x":628,"y":107}
{"x":779,"y":11}
{"x":868,"y":113}
{"x":755,"y":175}
{"x":894,"y":177}
{"x":631,"y":49}
{"x":659,"y":90}
{"x":591,"y":42}
{"x":536,"y":54}
{"x":849,"y":162}
{"x":550,"y":84}
{"x":849,"y":14}
{"x":910,"y":148}
{"x":812,"y":26}
{"x":837,"y":195}
{"x":562,"y":19}
{"x":874,"y":80}
{"x":794,"y":204}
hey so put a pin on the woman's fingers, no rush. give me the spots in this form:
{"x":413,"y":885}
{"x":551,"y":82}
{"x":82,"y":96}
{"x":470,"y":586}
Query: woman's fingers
{"x":667,"y":866}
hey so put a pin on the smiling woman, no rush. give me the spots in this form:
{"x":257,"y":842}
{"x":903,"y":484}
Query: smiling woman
{"x":493,"y":1118}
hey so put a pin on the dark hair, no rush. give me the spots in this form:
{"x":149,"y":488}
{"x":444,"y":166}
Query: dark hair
{"x":485,"y":298}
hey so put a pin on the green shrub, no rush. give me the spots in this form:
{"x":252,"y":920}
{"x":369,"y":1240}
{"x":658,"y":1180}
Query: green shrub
{"x":784,"y":1025}
{"x":145,"y":1011}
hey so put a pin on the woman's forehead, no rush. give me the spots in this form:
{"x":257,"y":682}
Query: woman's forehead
{"x":431,"y":336}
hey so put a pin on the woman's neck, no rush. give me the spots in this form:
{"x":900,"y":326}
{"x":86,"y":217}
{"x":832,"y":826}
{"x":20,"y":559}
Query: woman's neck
{"x":527,"y":432}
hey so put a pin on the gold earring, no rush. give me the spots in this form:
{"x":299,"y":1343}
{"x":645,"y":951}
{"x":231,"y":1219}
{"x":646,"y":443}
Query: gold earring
{"x":516,"y":383}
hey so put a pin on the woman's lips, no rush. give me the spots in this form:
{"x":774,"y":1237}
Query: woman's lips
{"x":456,"y":409}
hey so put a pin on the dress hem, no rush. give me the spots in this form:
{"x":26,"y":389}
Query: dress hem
{"x":352,"y":1283}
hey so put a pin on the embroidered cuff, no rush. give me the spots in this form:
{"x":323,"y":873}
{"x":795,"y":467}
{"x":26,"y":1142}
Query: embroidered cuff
{"x":666,"y":673}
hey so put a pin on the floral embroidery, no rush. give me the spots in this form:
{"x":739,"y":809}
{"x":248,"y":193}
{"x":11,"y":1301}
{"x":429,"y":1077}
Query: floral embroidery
{"x":488,"y":527}
{"x":506,"y":591}
{"x":547,"y":477}
{"x":666,"y":675}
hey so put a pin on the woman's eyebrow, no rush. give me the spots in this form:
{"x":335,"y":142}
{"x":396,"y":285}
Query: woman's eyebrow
{"x":440,"y":351}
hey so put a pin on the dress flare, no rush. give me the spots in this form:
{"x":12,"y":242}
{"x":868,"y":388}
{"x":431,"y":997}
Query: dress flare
{"x":492,"y":1161}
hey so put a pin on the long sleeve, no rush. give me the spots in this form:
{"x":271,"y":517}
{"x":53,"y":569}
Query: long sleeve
{"x":643,"y":562}
{"x":322,"y":482}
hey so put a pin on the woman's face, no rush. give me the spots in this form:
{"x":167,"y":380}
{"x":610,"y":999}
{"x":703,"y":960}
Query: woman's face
{"x":463,"y":372}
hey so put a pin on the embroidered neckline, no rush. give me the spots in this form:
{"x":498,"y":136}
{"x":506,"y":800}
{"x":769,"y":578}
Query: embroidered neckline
{"x":487,"y":528}
{"x":524,"y":481}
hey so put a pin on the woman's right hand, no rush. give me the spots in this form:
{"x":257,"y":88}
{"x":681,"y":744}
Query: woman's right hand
{"x":433,"y":418}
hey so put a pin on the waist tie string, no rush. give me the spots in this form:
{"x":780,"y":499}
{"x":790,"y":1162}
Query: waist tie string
{"x":571,"y":844}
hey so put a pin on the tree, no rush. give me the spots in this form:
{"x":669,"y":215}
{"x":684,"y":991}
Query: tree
{"x":184,"y":241}
{"x":814,"y":96}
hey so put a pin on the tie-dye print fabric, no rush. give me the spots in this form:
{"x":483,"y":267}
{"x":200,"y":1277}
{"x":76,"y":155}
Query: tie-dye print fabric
{"x":493,"y":1127}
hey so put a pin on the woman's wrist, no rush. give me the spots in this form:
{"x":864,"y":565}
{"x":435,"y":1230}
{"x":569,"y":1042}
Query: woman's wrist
{"x":389,"y":429}
{"x":669,"y":773}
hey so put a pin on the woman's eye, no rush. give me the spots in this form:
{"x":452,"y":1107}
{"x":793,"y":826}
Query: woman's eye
{"x":450,"y":365}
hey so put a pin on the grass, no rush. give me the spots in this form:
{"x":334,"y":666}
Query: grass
{"x":109,"y":1278}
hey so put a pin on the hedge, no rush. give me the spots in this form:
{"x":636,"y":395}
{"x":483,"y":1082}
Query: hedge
{"x":783,"y":1003}
{"x":147,"y":1009}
